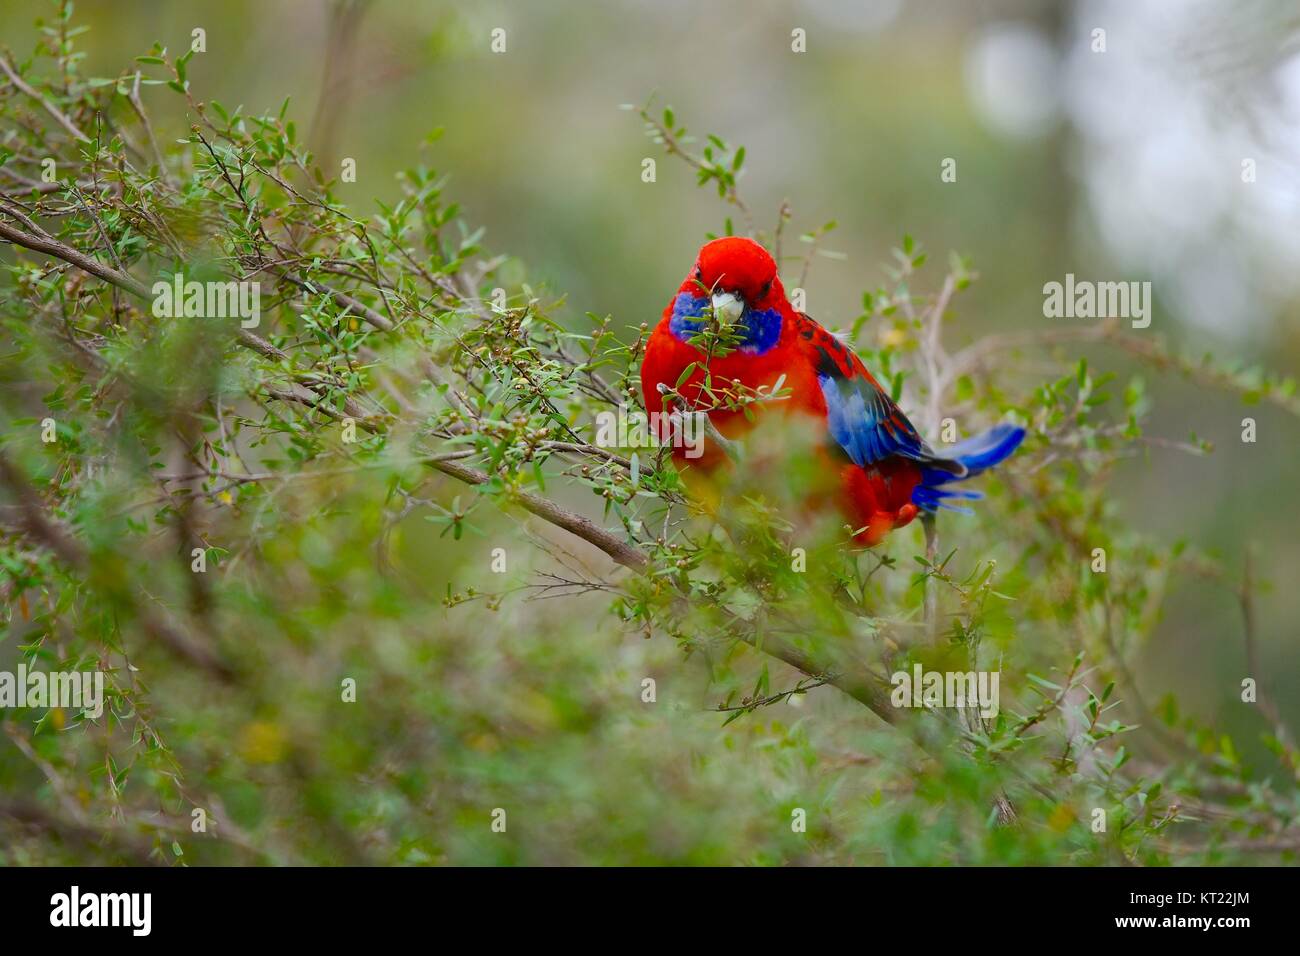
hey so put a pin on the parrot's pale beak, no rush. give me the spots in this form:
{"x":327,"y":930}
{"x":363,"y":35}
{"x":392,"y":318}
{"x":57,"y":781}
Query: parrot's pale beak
{"x":727,"y":308}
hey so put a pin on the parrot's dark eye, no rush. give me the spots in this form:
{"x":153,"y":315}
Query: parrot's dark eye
{"x":767,"y":287}
{"x":699,"y":274}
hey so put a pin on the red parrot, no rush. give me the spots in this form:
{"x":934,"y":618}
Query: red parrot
{"x":886,"y":473}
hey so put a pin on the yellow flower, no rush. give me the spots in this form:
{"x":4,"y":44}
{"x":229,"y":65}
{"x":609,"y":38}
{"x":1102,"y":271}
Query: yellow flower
{"x":1061,"y":818}
{"x":262,"y":741}
{"x":484,"y":743}
{"x":893,"y":338}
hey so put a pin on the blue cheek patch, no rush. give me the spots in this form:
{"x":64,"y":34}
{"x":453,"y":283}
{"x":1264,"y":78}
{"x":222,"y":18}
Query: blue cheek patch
{"x":762,"y":330}
{"x":687,"y":307}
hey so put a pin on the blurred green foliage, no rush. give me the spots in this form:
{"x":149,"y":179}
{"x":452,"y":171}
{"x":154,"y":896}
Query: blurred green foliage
{"x":349,"y":468}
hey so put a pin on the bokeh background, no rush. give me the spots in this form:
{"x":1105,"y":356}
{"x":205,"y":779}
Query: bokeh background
{"x":1123,"y":164}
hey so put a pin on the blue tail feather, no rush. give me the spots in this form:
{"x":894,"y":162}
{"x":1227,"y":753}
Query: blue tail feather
{"x":977,"y":454}
{"x":935,"y":499}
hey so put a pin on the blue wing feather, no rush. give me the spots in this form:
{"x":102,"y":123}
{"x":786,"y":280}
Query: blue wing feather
{"x":866,"y":423}
{"x":870,"y":427}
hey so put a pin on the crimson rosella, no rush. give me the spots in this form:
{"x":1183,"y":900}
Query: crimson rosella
{"x":884,"y":472}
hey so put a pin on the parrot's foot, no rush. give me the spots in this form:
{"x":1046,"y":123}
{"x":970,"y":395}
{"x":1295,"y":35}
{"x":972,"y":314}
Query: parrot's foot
{"x":678,"y":404}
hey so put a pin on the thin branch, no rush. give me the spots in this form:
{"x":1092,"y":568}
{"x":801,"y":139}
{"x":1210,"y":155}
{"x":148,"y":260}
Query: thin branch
{"x":748,"y":706}
{"x":928,"y":525}
{"x":45,"y":530}
{"x":50,"y":108}
{"x":137,"y":104}
{"x":619,"y":550}
{"x":1246,"y":599}
{"x":293,"y":392}
{"x":1107,"y":332}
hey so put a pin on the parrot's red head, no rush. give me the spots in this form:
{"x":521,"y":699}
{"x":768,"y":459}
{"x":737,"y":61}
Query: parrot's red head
{"x":734,"y":284}
{"x":737,"y":266}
